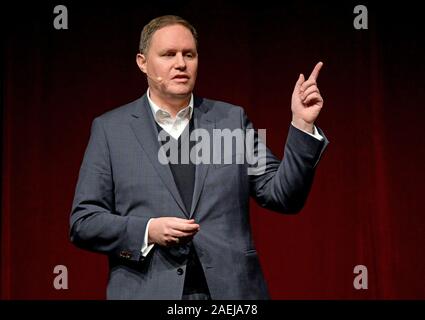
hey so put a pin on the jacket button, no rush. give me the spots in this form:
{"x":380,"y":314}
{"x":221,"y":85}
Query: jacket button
{"x":179,"y":271}
{"x":125,"y":254}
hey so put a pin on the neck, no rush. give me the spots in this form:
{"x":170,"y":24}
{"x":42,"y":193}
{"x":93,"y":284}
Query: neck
{"x":171,"y":104}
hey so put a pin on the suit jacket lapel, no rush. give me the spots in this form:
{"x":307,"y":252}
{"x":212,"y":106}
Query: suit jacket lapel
{"x":202,"y":119}
{"x":143,"y":125}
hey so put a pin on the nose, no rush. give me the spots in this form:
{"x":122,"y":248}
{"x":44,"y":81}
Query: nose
{"x":180,"y":62}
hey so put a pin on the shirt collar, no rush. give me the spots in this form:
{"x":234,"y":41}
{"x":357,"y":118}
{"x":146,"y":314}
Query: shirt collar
{"x":161,"y":115}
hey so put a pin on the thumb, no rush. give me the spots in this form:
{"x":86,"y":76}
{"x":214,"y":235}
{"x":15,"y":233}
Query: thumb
{"x":300,"y":81}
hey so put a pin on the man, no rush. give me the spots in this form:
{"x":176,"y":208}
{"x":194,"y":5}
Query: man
{"x":182,"y":230}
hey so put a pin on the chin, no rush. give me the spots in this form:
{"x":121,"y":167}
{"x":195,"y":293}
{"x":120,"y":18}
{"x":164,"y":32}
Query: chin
{"x":181,"y":91}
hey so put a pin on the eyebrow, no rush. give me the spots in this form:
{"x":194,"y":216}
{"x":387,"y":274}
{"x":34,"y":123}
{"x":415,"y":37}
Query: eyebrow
{"x":176,"y":50}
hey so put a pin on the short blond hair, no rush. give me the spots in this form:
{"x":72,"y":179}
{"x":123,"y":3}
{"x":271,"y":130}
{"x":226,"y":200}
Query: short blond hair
{"x":161,"y":22}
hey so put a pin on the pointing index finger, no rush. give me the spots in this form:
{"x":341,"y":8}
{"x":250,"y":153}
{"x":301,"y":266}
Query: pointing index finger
{"x":315,"y":73}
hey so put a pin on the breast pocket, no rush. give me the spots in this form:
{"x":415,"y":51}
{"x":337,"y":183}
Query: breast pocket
{"x":251,"y":252}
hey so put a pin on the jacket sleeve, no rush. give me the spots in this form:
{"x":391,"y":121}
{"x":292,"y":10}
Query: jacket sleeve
{"x":283,"y":185}
{"x":94,"y":224}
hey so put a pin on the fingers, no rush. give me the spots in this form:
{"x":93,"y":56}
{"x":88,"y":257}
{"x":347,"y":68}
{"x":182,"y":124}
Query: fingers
{"x":185,"y":226}
{"x":307,"y":84}
{"x":313,"y":98}
{"x":315,"y":73}
{"x":180,"y":234}
{"x":308,"y":91}
{"x":182,"y":228}
{"x":301,"y":85}
{"x":177,"y":237}
{"x":171,"y":231}
{"x":182,"y":220}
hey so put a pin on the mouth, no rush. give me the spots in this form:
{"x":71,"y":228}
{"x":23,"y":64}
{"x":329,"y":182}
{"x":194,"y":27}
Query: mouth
{"x":181,"y":78}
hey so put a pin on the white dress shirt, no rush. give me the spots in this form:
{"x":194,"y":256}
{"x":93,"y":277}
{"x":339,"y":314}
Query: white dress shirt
{"x":174,"y":127}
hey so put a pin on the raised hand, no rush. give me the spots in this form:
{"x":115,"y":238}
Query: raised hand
{"x":306,"y":100}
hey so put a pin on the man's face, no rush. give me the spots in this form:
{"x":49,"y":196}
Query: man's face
{"x":171,"y":62}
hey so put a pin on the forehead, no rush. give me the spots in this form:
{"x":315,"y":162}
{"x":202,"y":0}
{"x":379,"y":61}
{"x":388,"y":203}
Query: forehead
{"x":174,"y":36}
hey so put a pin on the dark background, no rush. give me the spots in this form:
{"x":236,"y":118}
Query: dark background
{"x":366,"y":203}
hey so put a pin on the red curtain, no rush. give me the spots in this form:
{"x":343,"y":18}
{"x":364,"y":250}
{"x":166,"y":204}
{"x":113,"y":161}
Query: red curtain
{"x":365,"y":206}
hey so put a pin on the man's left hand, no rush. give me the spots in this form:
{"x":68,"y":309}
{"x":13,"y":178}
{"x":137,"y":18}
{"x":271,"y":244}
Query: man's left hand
{"x":306,"y":101}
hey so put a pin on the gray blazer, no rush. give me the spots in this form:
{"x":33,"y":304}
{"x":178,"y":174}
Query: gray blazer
{"x":122,"y":185}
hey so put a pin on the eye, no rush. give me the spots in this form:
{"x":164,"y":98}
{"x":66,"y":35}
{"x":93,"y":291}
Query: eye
{"x":190,"y":55}
{"x":169,"y":54}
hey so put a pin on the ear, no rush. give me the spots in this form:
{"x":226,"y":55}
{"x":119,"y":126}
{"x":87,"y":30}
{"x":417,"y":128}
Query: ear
{"x":141,"y":62}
